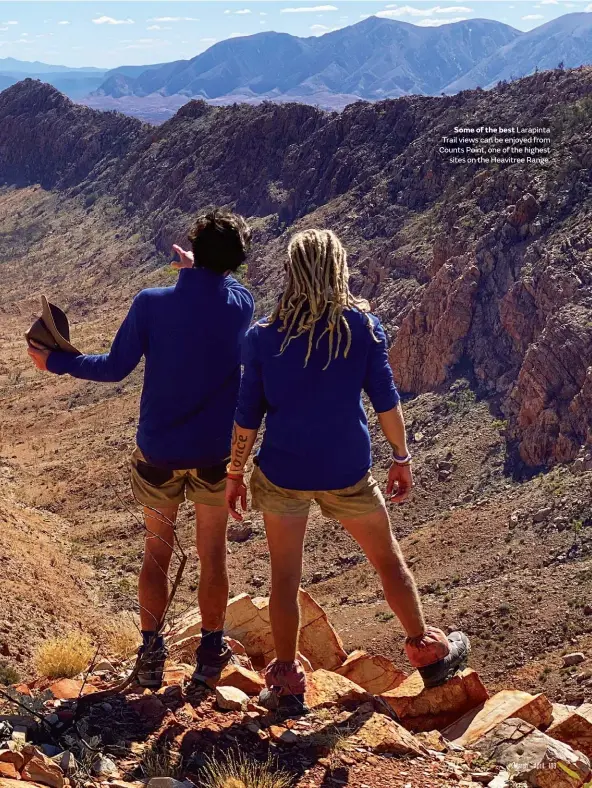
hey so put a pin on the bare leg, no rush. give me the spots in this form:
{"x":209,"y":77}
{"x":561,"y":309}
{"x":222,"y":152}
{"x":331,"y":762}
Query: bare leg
{"x":373,"y":533}
{"x":158,"y":548}
{"x":285,"y":537}
{"x":211,"y":522}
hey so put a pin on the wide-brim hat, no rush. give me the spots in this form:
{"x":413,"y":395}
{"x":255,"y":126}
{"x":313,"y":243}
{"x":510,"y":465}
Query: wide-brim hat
{"x":52,"y":330}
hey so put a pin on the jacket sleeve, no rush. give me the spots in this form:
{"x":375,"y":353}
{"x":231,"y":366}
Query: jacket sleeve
{"x":126,"y":351}
{"x":252,"y":404}
{"x":379,"y":383}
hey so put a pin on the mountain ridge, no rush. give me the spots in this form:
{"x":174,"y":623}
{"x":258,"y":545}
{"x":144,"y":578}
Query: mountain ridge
{"x":375,"y":58}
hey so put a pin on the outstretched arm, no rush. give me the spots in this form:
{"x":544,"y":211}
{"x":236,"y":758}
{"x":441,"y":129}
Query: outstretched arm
{"x":125,"y":354}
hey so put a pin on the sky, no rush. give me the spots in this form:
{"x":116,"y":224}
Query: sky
{"x":111,"y":33}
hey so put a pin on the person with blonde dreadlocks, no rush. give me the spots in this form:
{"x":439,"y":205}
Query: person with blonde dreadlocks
{"x":306,"y":367}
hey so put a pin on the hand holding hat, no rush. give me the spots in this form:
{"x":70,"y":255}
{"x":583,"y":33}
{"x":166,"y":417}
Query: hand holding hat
{"x":50,"y":332}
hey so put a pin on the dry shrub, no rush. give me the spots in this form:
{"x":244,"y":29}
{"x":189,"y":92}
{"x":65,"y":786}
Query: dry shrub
{"x":123,"y":638}
{"x":64,"y":657}
{"x":236,"y":770}
{"x":160,"y":761}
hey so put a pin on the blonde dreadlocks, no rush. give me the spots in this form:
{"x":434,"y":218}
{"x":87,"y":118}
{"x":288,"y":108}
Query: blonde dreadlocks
{"x":317,"y":287}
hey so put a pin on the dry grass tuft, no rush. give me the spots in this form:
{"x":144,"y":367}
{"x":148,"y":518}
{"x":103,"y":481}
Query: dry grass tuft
{"x":236,"y":770}
{"x":64,"y":657}
{"x":161,"y":761}
{"x":123,"y":638}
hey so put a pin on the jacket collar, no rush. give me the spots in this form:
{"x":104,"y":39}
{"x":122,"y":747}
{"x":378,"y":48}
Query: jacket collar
{"x":200,"y":277}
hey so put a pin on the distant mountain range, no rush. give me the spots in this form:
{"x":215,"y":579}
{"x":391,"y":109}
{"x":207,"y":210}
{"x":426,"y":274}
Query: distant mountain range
{"x":374,"y":59}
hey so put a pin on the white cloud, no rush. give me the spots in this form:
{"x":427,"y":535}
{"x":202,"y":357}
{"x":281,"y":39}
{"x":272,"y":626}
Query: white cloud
{"x":438,"y":22}
{"x":306,"y":9}
{"x":549,"y":2}
{"x":262,"y":13}
{"x":109,"y":20}
{"x":159,"y":27}
{"x":64,"y":22}
{"x":144,"y":43}
{"x":588,"y":8}
{"x":3,"y":29}
{"x":407,"y":10}
{"x":207,"y":40}
{"x":528,"y":17}
{"x":12,"y":22}
{"x":158,"y":19}
{"x":237,"y":35}
{"x":240,"y":12}
{"x":319,"y":27}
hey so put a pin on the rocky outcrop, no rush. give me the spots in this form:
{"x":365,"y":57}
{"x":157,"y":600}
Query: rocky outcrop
{"x":534,"y":757}
{"x":423,"y":709}
{"x":247,"y":621}
{"x":536,"y":710}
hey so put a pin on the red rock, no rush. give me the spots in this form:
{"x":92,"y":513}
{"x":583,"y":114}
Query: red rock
{"x":246,"y":680}
{"x":69,"y":689}
{"x":421,"y":709}
{"x":575,"y":729}
{"x":149,"y":707}
{"x":8,"y":770}
{"x":23,"y":689}
{"x":385,"y":736}
{"x":534,"y":709}
{"x":374,"y":673}
{"x":13,"y":757}
{"x":41,"y":769}
{"x":247,"y":621}
{"x":326,"y":688}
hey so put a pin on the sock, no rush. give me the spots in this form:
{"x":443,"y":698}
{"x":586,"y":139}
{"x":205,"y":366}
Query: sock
{"x":147,"y":637}
{"x":214,"y":639}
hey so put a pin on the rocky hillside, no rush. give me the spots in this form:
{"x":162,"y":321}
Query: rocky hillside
{"x":481,"y":269}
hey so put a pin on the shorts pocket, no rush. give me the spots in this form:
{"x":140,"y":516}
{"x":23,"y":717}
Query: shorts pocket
{"x":152,"y":474}
{"x":214,"y":474}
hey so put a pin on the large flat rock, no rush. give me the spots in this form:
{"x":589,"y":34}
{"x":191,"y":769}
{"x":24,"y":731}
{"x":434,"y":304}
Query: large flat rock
{"x":374,"y":673}
{"x":384,"y":736}
{"x":326,"y":688}
{"x":422,"y":709}
{"x":534,"y":757}
{"x":575,"y":729}
{"x":534,"y":709}
{"x":247,"y":621}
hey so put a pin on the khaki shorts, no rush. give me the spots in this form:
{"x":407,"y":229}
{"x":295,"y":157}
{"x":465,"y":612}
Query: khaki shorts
{"x":154,"y":486}
{"x":362,"y":498}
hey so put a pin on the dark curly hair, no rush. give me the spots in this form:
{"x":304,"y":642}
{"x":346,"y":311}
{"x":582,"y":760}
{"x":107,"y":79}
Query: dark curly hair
{"x":220,"y":240}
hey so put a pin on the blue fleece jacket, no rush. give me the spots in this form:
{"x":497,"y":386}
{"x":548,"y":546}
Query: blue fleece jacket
{"x":316,"y":430}
{"x":191,"y":336}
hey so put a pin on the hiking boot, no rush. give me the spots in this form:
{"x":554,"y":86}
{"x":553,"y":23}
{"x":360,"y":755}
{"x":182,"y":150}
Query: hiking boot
{"x":437,"y":657}
{"x":151,"y":671}
{"x":286,"y":685}
{"x":210,"y":663}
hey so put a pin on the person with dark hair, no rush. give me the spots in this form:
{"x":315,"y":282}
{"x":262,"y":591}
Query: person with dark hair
{"x":190,"y":336}
{"x":305,"y":369}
